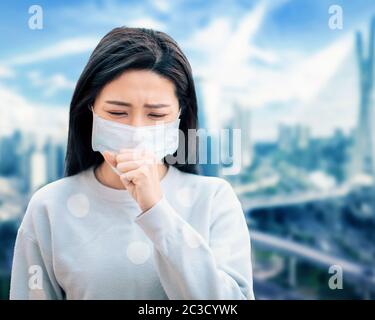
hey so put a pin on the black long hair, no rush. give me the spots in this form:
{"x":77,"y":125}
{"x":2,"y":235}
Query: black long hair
{"x":122,"y":49}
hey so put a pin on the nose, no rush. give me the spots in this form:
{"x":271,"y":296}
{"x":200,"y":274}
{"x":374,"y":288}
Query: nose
{"x":137,"y":121}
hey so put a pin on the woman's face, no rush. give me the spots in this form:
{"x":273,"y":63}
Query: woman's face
{"x":138,"y":98}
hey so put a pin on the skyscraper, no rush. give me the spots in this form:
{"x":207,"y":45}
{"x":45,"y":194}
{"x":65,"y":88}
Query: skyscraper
{"x":363,"y":157}
{"x":208,"y":168}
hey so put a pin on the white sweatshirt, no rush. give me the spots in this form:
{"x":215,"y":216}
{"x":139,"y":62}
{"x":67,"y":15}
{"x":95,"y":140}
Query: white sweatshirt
{"x":80,"y":239}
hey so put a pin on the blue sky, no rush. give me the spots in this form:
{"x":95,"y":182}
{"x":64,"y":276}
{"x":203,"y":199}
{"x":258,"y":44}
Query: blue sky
{"x":277,"y":58}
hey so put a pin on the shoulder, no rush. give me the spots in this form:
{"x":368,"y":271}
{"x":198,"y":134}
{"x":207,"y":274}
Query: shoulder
{"x":55,"y":190}
{"x":200,"y":179}
{"x":39,"y":205}
{"x":215,"y":186}
{"x":199,"y":194}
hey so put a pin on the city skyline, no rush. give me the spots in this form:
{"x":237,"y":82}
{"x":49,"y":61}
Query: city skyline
{"x":277,"y":71}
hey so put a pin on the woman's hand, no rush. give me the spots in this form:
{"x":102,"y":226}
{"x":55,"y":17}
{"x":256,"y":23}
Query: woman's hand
{"x":140,"y":175}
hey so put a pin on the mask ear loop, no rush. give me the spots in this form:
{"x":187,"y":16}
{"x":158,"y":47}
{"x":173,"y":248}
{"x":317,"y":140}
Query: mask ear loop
{"x":91,"y":108}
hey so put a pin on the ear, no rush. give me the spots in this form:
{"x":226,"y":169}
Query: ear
{"x":110,"y":158}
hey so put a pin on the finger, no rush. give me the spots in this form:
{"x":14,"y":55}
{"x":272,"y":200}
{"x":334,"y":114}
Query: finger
{"x":140,"y":150}
{"x":137,"y":150}
{"x":130,"y":165}
{"x":135,"y":175}
{"x":110,"y":158}
{"x":150,"y":156}
{"x":129,"y":155}
{"x":139,"y":154}
{"x":126,"y":182}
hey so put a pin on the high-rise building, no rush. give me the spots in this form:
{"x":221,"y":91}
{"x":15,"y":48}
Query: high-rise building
{"x":54,"y":153}
{"x":363,"y":157}
{"x":293,"y":137}
{"x":210,"y":168}
{"x":285,"y":138}
{"x":8,"y":146}
{"x":242,"y":150}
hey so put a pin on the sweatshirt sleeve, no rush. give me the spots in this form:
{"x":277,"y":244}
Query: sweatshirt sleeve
{"x":32,"y":276}
{"x":191,"y":268}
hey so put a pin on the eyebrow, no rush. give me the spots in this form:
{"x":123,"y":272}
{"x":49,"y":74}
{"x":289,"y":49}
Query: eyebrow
{"x":147,"y":105}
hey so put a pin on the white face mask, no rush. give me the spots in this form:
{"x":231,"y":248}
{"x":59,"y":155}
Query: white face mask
{"x":161,"y":139}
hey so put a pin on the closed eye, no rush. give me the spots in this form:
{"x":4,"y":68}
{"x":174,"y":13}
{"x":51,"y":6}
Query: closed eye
{"x":157,"y":115}
{"x":117,"y":113}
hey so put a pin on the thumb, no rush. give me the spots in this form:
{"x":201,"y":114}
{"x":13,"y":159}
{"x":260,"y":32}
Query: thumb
{"x":110,"y":158}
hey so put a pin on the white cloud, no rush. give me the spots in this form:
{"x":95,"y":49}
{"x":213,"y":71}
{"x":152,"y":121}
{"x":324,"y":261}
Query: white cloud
{"x":225,"y":51}
{"x":114,"y":14}
{"x":230,"y":72}
{"x":337,"y":103}
{"x":60,"y":49}
{"x":6,"y":72}
{"x":17,"y":112}
{"x":300,"y":81}
{"x":50,"y":84}
{"x":228,"y":63}
{"x":163,"y":6}
{"x":111,"y":15}
{"x":146,"y":22}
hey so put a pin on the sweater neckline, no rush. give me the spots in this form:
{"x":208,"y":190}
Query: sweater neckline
{"x":120,"y":195}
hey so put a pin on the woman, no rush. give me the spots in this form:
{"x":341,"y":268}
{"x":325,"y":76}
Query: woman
{"x":126,"y":223}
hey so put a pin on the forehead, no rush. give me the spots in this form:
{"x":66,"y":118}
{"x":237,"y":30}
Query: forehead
{"x":140,"y":86}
